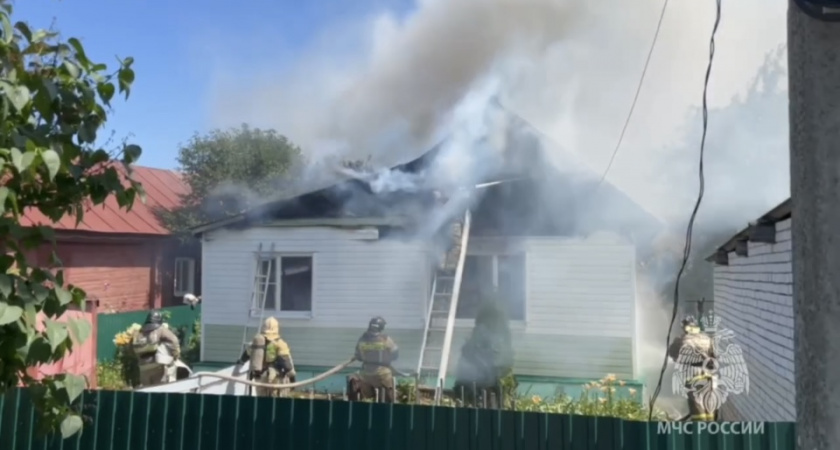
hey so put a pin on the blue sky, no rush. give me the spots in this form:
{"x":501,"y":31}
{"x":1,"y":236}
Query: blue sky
{"x":170,"y":42}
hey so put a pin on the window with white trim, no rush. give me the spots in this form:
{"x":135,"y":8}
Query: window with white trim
{"x":184,"y":276}
{"x":293,"y":293}
{"x":488,"y":277}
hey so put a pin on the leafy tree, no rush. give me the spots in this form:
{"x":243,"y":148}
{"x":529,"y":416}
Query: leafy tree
{"x":486,"y":364}
{"x":230,"y":170}
{"x":53,"y":101}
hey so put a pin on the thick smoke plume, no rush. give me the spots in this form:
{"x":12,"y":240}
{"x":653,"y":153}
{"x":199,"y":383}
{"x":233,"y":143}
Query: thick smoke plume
{"x":571,"y":70}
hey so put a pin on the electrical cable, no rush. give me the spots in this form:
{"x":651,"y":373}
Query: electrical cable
{"x":638,"y":91}
{"x":632,"y":105}
{"x":690,"y":228}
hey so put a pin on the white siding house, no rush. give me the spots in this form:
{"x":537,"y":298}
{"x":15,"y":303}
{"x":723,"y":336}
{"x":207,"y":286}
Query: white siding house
{"x":575,"y":318}
{"x":753,"y":286}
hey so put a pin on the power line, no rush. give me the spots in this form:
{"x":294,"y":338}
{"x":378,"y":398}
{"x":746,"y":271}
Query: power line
{"x":638,"y":91}
{"x":632,"y":105}
{"x":690,"y":228}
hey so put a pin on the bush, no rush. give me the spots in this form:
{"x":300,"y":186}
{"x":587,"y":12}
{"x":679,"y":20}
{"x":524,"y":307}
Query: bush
{"x":124,"y":360}
{"x":109,"y":376}
{"x":192,"y":350}
{"x":608,"y":397}
{"x":486,"y":363}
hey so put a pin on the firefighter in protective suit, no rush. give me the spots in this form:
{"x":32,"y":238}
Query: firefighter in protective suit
{"x":376,"y":351}
{"x":271,"y":358}
{"x":155,"y":366}
{"x":450,"y":236}
{"x":694,"y":371}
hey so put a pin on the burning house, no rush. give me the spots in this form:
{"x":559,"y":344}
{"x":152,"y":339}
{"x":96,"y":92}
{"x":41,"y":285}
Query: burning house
{"x":540,"y":242}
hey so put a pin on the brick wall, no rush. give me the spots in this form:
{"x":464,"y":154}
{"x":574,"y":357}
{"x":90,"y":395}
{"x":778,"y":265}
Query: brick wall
{"x":753,"y":297}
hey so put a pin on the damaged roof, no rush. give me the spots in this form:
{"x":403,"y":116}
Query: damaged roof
{"x":344,"y":195}
{"x":779,"y":213}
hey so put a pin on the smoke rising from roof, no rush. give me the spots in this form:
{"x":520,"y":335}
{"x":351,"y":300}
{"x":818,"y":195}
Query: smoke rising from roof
{"x":570,"y":68}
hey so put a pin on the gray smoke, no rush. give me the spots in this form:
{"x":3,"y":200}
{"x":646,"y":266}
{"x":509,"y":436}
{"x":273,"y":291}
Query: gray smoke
{"x":569,"y":68}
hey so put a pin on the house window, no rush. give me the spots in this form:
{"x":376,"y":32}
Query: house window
{"x":184,"y":276}
{"x":294,"y":291}
{"x":489,"y":277}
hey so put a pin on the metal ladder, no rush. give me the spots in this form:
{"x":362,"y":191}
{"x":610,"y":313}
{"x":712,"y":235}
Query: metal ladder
{"x":257,"y":300}
{"x":443,"y":305}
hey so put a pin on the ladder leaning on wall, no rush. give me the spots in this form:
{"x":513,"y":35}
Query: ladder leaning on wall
{"x":437,"y":338}
{"x":259,"y":291}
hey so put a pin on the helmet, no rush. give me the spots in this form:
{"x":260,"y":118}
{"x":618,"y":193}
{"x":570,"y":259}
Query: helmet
{"x":689,"y":324}
{"x":271,"y":327}
{"x":376,"y":324}
{"x":154,"y":317}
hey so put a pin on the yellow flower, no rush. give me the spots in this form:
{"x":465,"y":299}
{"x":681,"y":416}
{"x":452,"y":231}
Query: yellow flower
{"x":612,"y":390}
{"x":604,"y":389}
{"x":536,"y":399}
{"x":602,"y":400}
{"x":610,"y":377}
{"x":621,"y":383}
{"x":631,"y":391}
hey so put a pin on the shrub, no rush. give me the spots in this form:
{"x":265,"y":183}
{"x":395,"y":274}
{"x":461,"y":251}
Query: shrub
{"x":486,"y":363}
{"x":608,"y":397}
{"x":109,"y":376}
{"x":192,"y":350}
{"x":124,"y":360}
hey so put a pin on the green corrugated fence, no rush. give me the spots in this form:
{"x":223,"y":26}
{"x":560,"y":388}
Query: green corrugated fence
{"x":123,"y":420}
{"x":108,"y":325}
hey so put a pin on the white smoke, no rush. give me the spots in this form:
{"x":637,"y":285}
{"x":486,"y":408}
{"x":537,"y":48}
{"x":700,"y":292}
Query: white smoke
{"x":569,"y":68}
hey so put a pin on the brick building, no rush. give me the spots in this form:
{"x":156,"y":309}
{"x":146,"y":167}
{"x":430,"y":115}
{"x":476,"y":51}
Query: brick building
{"x":127,"y":260}
{"x":753,"y":286}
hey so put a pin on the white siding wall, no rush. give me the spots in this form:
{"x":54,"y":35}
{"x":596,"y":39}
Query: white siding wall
{"x":580,"y":292}
{"x":753,"y":297}
{"x":580,"y":305}
{"x":354,"y":277}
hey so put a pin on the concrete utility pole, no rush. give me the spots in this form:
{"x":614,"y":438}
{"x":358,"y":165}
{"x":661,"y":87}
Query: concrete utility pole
{"x":814,"y":91}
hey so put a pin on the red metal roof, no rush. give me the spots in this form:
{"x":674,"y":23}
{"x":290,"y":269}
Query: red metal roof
{"x":164,"y":188}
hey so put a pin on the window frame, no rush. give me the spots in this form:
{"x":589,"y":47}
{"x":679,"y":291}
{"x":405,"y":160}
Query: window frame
{"x":516,"y":323}
{"x":191,"y":270}
{"x":278,"y":290}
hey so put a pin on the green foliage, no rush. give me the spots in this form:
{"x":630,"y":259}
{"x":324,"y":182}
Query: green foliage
{"x":487,"y":356}
{"x":228,"y":171}
{"x":608,"y":397}
{"x":192,"y":352}
{"x":53,"y":101}
{"x":110,"y":375}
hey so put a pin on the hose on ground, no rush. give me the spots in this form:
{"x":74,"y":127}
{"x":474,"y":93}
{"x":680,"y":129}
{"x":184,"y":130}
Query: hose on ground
{"x":312,"y":380}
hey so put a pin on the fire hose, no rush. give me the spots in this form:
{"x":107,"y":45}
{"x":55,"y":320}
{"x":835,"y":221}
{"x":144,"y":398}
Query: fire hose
{"x":309,"y":381}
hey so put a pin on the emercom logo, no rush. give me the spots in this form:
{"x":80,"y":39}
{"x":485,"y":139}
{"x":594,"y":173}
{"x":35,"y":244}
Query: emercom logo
{"x":709,"y":368}
{"x":710,"y":427}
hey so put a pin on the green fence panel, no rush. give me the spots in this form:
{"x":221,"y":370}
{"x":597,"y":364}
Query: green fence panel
{"x":122,"y":420}
{"x":108,"y":325}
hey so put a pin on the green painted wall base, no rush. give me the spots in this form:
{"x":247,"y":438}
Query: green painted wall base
{"x":528,"y":385}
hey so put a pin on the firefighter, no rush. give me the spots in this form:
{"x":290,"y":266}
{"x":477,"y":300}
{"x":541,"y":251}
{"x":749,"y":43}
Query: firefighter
{"x":451,"y":240}
{"x":376,"y":351}
{"x":155,"y":366}
{"x":271,"y":358}
{"x":692,"y":352}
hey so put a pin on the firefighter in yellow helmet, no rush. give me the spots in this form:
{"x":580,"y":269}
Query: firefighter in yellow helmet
{"x":270,"y":356}
{"x":377,"y":351}
{"x":146,"y":343}
{"x":701,"y":346}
